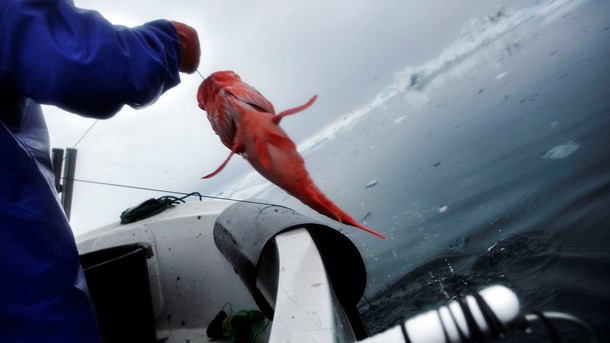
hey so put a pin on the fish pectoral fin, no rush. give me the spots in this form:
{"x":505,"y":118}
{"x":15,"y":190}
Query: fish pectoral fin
{"x":275,"y":139}
{"x":263,"y":154}
{"x":236,"y":147}
{"x":222,"y":166}
{"x":279,"y":140}
{"x":277,"y":118}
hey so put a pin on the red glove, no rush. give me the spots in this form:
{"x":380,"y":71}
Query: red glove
{"x":191,"y":51}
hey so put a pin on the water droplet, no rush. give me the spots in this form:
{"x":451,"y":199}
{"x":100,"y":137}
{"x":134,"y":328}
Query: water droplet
{"x":501,"y":75}
{"x":371,"y":184}
{"x":561,"y":151}
{"x":399,"y":119}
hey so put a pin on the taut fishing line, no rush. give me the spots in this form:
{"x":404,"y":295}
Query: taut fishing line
{"x":153,"y":206}
{"x":166,"y":191}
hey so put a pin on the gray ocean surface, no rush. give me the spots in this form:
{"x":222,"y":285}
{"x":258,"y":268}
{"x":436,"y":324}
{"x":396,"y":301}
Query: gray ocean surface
{"x":489,"y":165}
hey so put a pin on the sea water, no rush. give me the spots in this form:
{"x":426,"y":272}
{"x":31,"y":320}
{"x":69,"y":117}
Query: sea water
{"x":487,"y":165}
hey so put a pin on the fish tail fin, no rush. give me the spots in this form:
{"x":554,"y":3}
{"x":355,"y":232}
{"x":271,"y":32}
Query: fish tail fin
{"x":346,"y":219}
{"x":362,"y":227}
{"x":322,"y":204}
{"x":326,"y":206}
{"x":277,"y":118}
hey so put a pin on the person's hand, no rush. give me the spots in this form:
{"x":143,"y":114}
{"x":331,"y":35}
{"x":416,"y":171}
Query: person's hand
{"x":191,"y":51}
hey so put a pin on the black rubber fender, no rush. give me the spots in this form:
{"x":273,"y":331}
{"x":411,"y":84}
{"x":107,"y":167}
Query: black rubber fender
{"x":244,"y":233}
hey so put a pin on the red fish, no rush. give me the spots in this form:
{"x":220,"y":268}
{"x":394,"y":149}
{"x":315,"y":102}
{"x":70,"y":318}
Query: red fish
{"x":248,"y":125}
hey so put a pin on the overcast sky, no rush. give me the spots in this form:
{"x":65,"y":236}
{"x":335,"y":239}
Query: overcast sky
{"x":343,"y":51}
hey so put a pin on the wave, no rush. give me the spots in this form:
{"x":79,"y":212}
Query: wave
{"x":494,"y":31}
{"x":491,"y":39}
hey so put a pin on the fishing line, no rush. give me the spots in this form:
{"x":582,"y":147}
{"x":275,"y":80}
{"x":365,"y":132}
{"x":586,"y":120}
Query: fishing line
{"x":95,"y":122}
{"x":85,"y":134}
{"x":82,"y":137}
{"x":165,"y":191}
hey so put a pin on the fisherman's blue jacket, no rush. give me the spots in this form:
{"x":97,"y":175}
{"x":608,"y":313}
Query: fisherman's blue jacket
{"x":53,"y":53}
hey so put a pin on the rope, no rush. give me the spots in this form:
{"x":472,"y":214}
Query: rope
{"x":151,"y":207}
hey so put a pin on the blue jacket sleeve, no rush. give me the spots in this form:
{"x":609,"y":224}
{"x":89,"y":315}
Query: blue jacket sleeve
{"x":60,"y":55}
